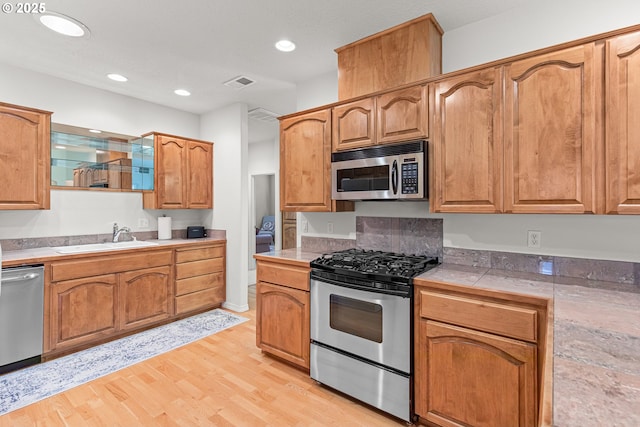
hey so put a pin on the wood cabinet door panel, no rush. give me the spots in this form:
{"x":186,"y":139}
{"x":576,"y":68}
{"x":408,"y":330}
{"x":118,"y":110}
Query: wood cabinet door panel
{"x":305,"y":162}
{"x":283,"y":274}
{"x":144,"y":296}
{"x":282,"y":322}
{"x":623,"y":124}
{"x":467,"y":143}
{"x":353,"y":125}
{"x":95,"y":265}
{"x":402,"y":115}
{"x":199,"y":267}
{"x":469,"y":378}
{"x":207,"y":298}
{"x":172,"y":165}
{"x":199,"y":283}
{"x":24,"y":158}
{"x":507,"y":320}
{"x":200,"y":175}
{"x":83,"y":310}
{"x":551,"y":120}
{"x":186,"y":255}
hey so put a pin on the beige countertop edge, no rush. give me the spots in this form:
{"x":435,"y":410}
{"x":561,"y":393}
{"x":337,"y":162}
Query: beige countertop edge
{"x":288,"y":256}
{"x":48,"y":254}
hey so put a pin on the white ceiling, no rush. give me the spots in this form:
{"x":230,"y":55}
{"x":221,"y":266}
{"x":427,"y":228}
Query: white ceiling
{"x":161,"y":45}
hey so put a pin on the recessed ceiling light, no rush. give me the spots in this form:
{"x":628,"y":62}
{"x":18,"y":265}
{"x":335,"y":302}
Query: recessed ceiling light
{"x":63,"y":24}
{"x":182,"y":92}
{"x":285,"y":45}
{"x":117,"y":77}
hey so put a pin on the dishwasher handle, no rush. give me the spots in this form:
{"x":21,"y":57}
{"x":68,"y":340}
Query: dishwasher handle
{"x":21,"y":278}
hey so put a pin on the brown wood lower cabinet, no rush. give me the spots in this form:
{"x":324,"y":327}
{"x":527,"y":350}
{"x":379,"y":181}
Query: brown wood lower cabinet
{"x":98,"y":297}
{"x":200,"y":278}
{"x":476,"y":360}
{"x":283,"y":311}
{"x":144,"y":296}
{"x":83,"y":310}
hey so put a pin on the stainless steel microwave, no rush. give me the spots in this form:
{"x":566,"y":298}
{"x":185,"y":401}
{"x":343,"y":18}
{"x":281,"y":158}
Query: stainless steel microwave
{"x":386,"y":172}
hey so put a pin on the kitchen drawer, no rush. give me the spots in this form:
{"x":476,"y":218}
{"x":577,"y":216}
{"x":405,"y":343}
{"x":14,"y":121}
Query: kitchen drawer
{"x":199,"y":253}
{"x":507,"y":320}
{"x":284,"y":274}
{"x":198,"y":268}
{"x":198,"y":283}
{"x":200,"y":300}
{"x":96,"y":265}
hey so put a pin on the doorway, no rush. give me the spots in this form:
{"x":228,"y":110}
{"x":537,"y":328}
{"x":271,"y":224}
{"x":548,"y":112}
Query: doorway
{"x":264,"y":226}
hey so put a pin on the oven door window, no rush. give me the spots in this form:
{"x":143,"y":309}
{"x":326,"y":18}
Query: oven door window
{"x":356,"y":317}
{"x":371,"y":178}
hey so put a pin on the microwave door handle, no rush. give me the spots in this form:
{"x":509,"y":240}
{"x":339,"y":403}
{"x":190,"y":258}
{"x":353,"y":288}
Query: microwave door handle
{"x":394,"y":177}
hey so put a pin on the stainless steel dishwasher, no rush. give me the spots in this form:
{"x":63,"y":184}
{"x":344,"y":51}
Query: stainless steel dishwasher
{"x":21,"y":316}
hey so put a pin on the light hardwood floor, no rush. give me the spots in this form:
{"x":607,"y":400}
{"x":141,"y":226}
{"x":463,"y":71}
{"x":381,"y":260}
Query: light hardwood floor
{"x":221,"y":380}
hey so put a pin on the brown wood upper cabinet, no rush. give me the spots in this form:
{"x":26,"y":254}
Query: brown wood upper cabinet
{"x":467,"y":148}
{"x":545,"y":162}
{"x":551,"y":131}
{"x":404,"y":54}
{"x":395,"y":116}
{"x":305,"y":164}
{"x":622,"y":124}
{"x":183,"y":174}
{"x":24,"y":157}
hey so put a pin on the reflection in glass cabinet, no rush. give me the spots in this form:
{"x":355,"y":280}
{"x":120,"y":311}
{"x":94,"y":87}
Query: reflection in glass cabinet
{"x":90,"y":159}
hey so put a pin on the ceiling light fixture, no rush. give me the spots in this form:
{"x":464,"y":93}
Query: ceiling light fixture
{"x":117,"y":77}
{"x":182,"y":92}
{"x":63,"y":24}
{"x":285,"y":45}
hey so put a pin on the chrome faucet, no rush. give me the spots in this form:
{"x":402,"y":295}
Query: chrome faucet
{"x":117,"y":231}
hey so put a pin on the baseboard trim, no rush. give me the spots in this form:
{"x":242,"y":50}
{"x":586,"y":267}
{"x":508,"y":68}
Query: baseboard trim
{"x":235,"y":307}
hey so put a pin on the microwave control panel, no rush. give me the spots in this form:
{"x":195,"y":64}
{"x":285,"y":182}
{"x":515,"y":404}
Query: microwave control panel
{"x":409,"y":178}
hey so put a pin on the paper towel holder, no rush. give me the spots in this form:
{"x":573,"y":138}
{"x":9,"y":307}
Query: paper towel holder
{"x":164,"y":228}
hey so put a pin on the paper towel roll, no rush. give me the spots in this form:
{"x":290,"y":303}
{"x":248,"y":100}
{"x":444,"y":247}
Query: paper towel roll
{"x":164,"y":227}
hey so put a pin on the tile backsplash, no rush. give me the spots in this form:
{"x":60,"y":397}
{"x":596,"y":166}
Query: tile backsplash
{"x":419,"y":236}
{"x":424,"y":236}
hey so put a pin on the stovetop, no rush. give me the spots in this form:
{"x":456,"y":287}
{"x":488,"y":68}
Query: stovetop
{"x":378,"y":265}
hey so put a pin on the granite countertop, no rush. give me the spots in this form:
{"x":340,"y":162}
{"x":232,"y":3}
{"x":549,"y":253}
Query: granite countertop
{"x":595,"y":371}
{"x":47,"y":254}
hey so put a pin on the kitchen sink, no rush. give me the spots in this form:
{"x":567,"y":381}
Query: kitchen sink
{"x":97,"y":247}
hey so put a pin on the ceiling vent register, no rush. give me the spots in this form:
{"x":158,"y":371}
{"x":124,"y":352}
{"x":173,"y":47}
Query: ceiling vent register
{"x":239,"y":82}
{"x":263,"y":114}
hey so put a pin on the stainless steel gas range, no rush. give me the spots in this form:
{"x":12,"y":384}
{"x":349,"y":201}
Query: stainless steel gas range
{"x":361,"y":334}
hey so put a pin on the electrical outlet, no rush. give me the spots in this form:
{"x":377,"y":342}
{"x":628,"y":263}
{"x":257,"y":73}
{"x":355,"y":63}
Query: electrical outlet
{"x":143,"y":223}
{"x":305,"y":226}
{"x":330,"y":227}
{"x":534,"y":238}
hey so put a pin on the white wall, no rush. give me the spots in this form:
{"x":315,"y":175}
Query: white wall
{"x":521,"y":30}
{"x":227,"y":127}
{"x":317,"y":92}
{"x":88,"y":212}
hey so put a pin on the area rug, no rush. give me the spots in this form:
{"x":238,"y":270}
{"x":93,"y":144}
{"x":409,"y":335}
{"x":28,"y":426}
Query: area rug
{"x":29,"y":385}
